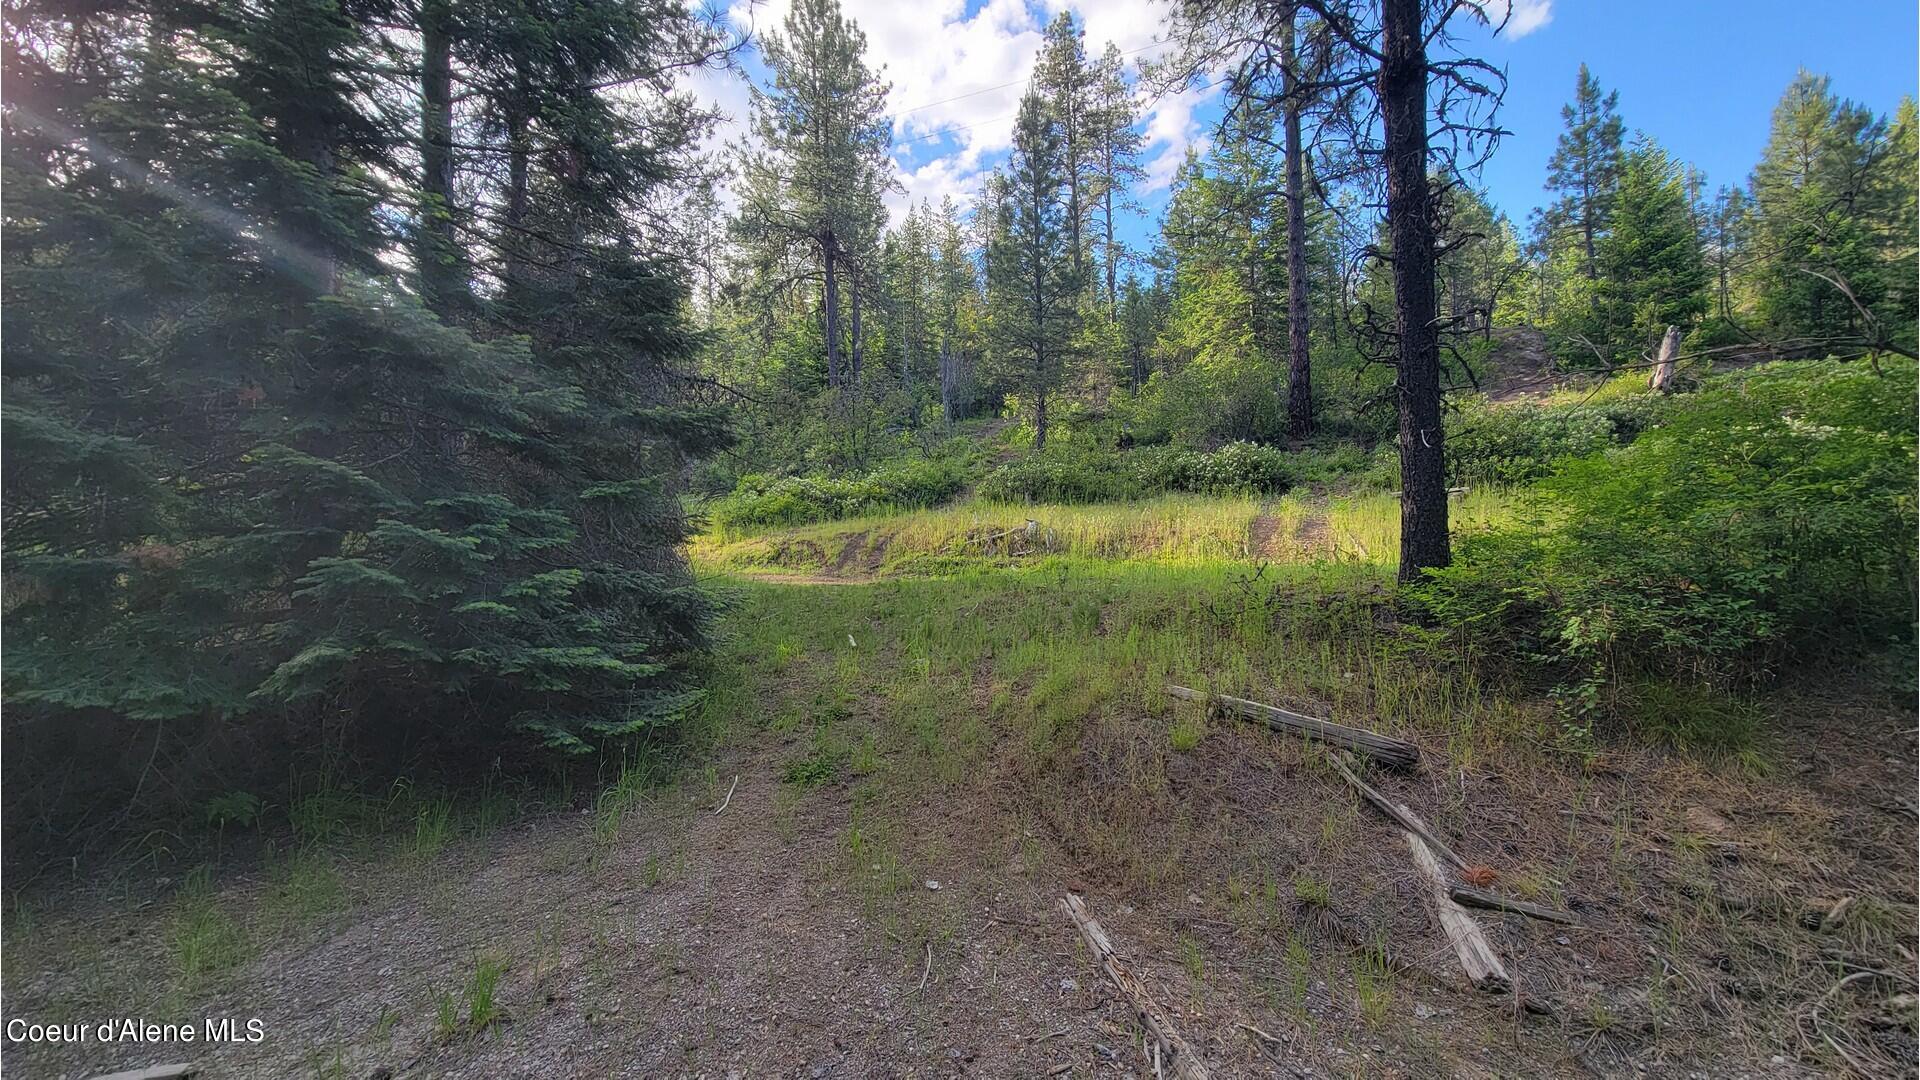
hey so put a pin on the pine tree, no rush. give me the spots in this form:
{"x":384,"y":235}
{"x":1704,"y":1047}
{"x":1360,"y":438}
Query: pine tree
{"x":955,"y":305}
{"x":1652,"y":274}
{"x":1034,"y":284}
{"x":252,"y":477}
{"x":1830,"y":267}
{"x":1585,"y":167}
{"x":1117,"y":142}
{"x":1071,"y":86}
{"x":819,"y":171}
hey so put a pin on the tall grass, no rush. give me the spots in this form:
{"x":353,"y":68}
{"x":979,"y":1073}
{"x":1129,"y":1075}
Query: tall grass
{"x":1172,"y":528}
{"x":1176,"y":529}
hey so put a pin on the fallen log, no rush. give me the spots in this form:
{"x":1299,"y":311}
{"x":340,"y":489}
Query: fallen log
{"x":1401,"y":816}
{"x":1381,"y":748}
{"x":1468,"y":896}
{"x":1173,"y":1052}
{"x":1470,"y":945}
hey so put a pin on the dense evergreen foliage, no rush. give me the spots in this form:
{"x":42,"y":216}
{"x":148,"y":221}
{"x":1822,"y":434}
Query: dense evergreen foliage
{"x":263,"y":468}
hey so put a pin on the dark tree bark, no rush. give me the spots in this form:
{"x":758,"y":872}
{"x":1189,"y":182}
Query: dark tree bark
{"x":853,"y":327}
{"x":519,"y":158}
{"x":946,"y":380}
{"x":830,"y":305}
{"x":1403,"y":114}
{"x":1299,"y":360}
{"x":443,"y":278}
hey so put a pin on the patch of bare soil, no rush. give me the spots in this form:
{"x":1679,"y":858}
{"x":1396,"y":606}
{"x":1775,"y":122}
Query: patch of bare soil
{"x":1314,"y":537}
{"x":1723,"y":923}
{"x":1518,"y":366}
{"x":747,"y":943}
{"x":848,"y":552}
{"x":1263,"y":536}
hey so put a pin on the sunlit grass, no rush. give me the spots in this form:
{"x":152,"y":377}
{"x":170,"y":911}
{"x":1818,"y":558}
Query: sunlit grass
{"x":1174,"y":529}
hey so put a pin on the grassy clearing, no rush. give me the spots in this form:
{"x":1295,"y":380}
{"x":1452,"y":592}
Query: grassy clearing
{"x":1018,"y":712}
{"x":1176,"y":529}
{"x":1025,"y":662}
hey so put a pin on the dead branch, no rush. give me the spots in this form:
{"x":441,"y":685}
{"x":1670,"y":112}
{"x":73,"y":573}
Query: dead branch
{"x":1168,"y":1045}
{"x":1401,"y":816}
{"x":1470,"y":945}
{"x":1469,"y":896}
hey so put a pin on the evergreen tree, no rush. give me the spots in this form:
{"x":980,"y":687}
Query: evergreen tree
{"x":1034,"y":283}
{"x":1117,"y":141}
{"x":956,"y":304}
{"x":1830,"y":196}
{"x":1072,"y":90}
{"x":1585,"y":167}
{"x":819,"y":170}
{"x":1652,"y":272}
{"x":251,"y":478}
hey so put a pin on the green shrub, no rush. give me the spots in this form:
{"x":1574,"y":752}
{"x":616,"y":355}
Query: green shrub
{"x":760,"y":500}
{"x":1515,"y":444}
{"x":1771,"y":516}
{"x":1055,"y":477}
{"x":1086,"y":476}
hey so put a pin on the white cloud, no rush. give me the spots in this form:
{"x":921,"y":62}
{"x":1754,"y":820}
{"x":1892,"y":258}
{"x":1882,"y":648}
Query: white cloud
{"x":1171,"y":128}
{"x":1523,"y":17}
{"x":957,"y":80}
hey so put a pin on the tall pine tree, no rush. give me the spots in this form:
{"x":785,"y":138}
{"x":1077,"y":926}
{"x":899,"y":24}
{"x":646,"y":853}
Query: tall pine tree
{"x":1034,"y":279}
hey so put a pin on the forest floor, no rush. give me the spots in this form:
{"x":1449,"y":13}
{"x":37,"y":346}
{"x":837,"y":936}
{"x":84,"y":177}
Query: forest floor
{"x":862,"y":878}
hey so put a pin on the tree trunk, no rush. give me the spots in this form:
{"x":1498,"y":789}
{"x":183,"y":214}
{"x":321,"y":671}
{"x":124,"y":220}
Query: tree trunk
{"x":1300,"y":362}
{"x":1113,"y":264}
{"x":1040,"y":420}
{"x":830,"y":308}
{"x":1662,"y":379}
{"x":1403,"y":114}
{"x":853,"y":325}
{"x":443,"y":278}
{"x":519,"y":155}
{"x":946,"y":380}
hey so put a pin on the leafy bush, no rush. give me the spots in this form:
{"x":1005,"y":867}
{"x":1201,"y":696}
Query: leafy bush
{"x":1348,"y":465}
{"x":1083,"y":477}
{"x":760,"y":500}
{"x":1240,"y":468}
{"x":1771,"y":516}
{"x":1515,"y":444}
{"x":1058,"y":477}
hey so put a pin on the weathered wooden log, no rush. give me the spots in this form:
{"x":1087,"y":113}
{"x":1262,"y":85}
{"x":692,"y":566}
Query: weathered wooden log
{"x":1408,"y":821}
{"x":1381,"y":748}
{"x":1470,"y":945}
{"x":1175,"y":1055}
{"x":1468,"y":896}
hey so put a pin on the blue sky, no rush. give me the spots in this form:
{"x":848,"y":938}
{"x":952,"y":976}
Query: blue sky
{"x":1701,"y":76}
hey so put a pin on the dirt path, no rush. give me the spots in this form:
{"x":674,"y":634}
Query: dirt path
{"x":1269,"y":541}
{"x":766,"y":940}
{"x":1263,"y":536}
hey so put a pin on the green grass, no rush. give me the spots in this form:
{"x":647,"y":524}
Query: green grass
{"x":1173,"y":529}
{"x":303,"y":888}
{"x":204,"y":937}
{"x":1039,"y":679}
